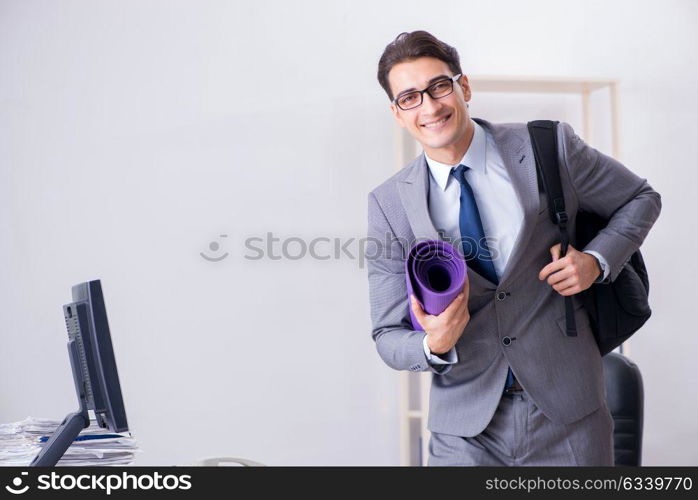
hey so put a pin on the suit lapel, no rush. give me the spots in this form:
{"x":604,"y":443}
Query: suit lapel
{"x":520,"y":163}
{"x":414,"y":194}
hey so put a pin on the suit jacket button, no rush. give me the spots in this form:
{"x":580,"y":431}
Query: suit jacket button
{"x":501,"y":296}
{"x":506,"y":340}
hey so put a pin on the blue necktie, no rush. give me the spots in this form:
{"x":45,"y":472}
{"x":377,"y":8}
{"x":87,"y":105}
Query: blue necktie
{"x":475,"y":249}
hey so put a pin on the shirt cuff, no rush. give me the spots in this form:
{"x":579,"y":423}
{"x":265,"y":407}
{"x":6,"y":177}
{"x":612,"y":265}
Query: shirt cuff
{"x":605,"y":270}
{"x":451,"y":356}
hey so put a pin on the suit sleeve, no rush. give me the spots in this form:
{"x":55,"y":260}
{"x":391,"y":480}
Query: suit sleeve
{"x":607,"y":188}
{"x":397,"y":343}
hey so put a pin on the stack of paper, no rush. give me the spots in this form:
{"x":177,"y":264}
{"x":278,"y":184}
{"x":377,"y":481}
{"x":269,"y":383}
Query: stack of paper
{"x":21,"y":441}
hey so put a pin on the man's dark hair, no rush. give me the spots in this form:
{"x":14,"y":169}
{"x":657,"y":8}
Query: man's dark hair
{"x":409,"y":46}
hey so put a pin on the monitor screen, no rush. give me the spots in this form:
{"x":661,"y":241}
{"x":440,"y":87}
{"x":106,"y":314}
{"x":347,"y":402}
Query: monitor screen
{"x":103,"y":380}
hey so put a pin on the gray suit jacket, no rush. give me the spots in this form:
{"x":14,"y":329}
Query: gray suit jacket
{"x":562,"y":374}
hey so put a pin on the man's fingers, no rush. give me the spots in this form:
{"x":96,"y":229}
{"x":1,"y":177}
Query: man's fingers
{"x":466,"y":288}
{"x":559,"y":276}
{"x":418,"y":311}
{"x":454,"y":305}
{"x":552,"y":267}
{"x":566,"y":283}
{"x":570,"y":291}
{"x":555,"y":251}
{"x":466,"y":295}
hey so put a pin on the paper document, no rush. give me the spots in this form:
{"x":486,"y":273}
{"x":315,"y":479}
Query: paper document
{"x":21,"y":441}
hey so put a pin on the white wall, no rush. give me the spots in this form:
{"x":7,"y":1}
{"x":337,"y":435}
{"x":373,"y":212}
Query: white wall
{"x":132,"y":134}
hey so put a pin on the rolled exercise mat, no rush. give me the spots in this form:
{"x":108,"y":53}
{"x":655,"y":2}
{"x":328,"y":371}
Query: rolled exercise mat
{"x":435,"y":274}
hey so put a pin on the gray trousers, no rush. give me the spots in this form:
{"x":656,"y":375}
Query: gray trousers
{"x":519,"y":434}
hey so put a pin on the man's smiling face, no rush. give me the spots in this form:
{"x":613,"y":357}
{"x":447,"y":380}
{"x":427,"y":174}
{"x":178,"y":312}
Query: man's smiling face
{"x":438,"y":124}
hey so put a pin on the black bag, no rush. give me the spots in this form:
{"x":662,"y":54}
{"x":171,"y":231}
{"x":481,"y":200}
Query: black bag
{"x":618,"y":309}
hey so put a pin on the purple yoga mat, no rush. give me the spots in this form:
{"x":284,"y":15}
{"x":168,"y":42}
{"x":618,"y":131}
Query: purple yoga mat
{"x":435,"y":273}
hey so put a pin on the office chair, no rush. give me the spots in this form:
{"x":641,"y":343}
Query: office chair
{"x":625,"y":398}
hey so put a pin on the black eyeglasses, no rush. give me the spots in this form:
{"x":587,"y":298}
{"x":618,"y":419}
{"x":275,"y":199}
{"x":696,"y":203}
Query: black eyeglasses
{"x":436,"y":90}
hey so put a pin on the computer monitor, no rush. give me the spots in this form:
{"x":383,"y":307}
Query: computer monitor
{"x":94,"y":372}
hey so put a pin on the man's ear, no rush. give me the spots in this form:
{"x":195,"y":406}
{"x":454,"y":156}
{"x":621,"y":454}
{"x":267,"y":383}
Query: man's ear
{"x":396,"y":115}
{"x":466,"y":87}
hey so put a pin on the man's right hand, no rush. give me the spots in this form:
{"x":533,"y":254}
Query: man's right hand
{"x":444,"y":330}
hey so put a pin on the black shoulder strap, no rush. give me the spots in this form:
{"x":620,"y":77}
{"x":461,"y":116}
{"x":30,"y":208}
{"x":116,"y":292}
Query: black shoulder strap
{"x":544,"y":141}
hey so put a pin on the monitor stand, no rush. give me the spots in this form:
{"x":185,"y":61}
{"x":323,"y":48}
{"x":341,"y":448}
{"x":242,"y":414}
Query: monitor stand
{"x":71,"y":426}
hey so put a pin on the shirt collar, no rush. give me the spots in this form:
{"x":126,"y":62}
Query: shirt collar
{"x":475,"y":158}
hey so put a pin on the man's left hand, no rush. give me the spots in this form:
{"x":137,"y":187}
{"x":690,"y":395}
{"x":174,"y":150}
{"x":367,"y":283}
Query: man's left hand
{"x":573,"y":273}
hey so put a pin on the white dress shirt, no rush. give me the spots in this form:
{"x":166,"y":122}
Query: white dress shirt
{"x":500,"y":211}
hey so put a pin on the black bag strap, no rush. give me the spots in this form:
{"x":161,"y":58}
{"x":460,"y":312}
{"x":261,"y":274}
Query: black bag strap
{"x":544,"y":141}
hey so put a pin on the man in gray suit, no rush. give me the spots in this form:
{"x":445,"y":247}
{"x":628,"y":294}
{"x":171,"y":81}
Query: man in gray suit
{"x":508,"y":386}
